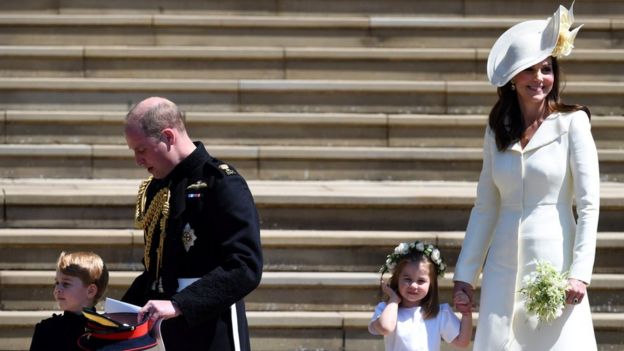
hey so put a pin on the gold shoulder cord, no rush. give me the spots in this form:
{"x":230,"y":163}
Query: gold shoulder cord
{"x":146,"y":220}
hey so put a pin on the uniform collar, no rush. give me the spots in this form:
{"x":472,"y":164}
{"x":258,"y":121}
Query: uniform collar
{"x":551,"y":129}
{"x":189,"y":164}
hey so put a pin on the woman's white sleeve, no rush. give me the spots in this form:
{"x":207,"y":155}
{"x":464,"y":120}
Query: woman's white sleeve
{"x":482,"y":219}
{"x":586,"y":178}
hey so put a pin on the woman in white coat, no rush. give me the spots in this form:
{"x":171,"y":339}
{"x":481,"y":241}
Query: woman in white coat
{"x":538,"y":155}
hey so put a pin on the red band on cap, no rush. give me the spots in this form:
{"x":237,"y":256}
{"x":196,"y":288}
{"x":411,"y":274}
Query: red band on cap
{"x":138,"y":331}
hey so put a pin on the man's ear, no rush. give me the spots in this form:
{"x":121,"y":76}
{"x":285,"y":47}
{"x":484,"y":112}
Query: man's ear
{"x":168,"y":136}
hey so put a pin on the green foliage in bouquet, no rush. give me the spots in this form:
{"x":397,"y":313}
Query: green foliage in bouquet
{"x":544,"y":292}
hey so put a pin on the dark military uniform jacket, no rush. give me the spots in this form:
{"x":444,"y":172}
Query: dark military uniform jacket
{"x":212,"y":233}
{"x":59,"y":332}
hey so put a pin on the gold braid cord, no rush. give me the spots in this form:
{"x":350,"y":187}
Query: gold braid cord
{"x":147,"y":220}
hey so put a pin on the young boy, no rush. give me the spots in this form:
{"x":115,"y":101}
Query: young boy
{"x":81,"y":279}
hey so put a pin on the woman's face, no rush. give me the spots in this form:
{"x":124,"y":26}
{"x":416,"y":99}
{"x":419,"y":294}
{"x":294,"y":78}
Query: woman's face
{"x":535,"y":83}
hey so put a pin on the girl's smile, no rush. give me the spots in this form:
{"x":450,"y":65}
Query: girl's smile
{"x":414,"y":282}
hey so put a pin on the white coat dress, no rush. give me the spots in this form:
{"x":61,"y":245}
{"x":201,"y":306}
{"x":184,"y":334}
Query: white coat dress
{"x":524,"y":212}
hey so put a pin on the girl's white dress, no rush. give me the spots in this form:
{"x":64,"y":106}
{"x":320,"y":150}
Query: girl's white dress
{"x":523,"y":212}
{"x":413,"y":333}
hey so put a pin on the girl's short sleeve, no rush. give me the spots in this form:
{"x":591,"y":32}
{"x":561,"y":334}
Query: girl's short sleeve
{"x":449,"y":323}
{"x":378,"y":309}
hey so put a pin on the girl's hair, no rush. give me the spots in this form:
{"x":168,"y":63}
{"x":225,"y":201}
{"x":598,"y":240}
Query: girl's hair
{"x":506,"y":120}
{"x":430,"y":305}
{"x":86,"y":266}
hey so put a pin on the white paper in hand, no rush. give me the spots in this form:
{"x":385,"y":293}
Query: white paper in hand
{"x":116,"y":306}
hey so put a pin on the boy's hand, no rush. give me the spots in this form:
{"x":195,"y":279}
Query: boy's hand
{"x":385,"y":287}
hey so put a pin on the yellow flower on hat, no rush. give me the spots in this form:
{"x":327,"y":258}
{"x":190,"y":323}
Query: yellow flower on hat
{"x":565,"y":40}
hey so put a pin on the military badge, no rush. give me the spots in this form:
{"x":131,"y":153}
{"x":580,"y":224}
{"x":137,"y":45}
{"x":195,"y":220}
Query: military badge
{"x":188,"y":237}
{"x":226,"y":169}
{"x":197,"y":185}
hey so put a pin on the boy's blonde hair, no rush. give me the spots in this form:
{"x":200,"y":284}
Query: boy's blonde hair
{"x":86,"y":266}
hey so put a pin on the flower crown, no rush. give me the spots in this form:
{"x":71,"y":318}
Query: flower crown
{"x":405,"y":249}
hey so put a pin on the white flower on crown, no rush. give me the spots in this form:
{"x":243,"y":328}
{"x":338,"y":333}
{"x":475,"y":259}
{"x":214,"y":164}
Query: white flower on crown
{"x":442,"y":266}
{"x":390,"y":264}
{"x":565,"y":40}
{"x":420,"y":246}
{"x":402,"y":249}
{"x":435,"y":256}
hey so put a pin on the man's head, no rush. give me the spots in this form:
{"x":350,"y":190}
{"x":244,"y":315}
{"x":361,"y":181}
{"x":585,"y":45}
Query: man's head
{"x":81,"y":280}
{"x":155,"y":132}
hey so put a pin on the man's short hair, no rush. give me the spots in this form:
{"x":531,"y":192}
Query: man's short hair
{"x":86,"y":266}
{"x":152,"y":121}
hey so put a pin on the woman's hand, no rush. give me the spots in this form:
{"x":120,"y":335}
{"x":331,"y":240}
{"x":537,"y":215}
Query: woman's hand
{"x":385,"y":287}
{"x":577,"y":290}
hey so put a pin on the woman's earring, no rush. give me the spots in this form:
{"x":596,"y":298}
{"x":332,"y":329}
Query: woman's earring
{"x":513,"y":86}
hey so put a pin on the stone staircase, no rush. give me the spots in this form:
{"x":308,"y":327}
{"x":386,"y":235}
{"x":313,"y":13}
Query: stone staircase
{"x":357,"y":123}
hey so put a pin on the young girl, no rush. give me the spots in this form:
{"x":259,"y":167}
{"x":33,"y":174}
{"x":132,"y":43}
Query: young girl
{"x":412,"y":319}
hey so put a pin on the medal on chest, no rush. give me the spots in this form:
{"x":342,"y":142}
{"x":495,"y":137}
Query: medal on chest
{"x":188,"y":237}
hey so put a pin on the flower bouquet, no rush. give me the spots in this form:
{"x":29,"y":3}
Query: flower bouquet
{"x":544,"y":292}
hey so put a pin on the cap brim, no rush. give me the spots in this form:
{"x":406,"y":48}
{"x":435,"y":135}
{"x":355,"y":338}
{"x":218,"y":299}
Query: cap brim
{"x":145,"y":342}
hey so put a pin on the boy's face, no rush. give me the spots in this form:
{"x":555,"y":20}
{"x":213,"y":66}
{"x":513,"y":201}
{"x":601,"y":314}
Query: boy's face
{"x":71,"y":294}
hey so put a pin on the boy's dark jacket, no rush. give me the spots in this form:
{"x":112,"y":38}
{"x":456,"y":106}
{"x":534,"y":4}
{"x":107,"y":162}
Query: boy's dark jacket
{"x":59,"y":332}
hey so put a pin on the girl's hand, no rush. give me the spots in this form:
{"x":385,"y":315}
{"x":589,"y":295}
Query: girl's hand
{"x":385,"y":287}
{"x":577,"y":290}
{"x":463,"y":294}
{"x":462,"y":303}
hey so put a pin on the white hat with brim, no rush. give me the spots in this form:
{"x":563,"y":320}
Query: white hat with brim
{"x":528,"y":43}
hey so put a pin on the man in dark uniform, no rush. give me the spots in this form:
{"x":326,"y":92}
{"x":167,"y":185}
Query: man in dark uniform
{"x":202,"y":236}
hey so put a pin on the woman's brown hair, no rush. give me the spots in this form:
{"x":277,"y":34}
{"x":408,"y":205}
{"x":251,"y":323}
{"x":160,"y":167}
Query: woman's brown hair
{"x":505,"y":118}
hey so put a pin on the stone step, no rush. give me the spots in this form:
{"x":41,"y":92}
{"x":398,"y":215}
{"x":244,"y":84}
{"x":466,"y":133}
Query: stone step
{"x":274,"y":128}
{"x":458,"y":8}
{"x":283,"y":291}
{"x":321,"y":205}
{"x":184,"y":62}
{"x":243,"y":95}
{"x":284,"y":250}
{"x":273,"y":162}
{"x":270,"y":30}
{"x":287,"y":331}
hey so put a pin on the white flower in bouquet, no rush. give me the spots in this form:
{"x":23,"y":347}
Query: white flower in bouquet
{"x":544,"y":292}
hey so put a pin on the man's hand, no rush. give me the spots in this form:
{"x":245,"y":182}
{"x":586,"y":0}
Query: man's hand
{"x":159,"y":309}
